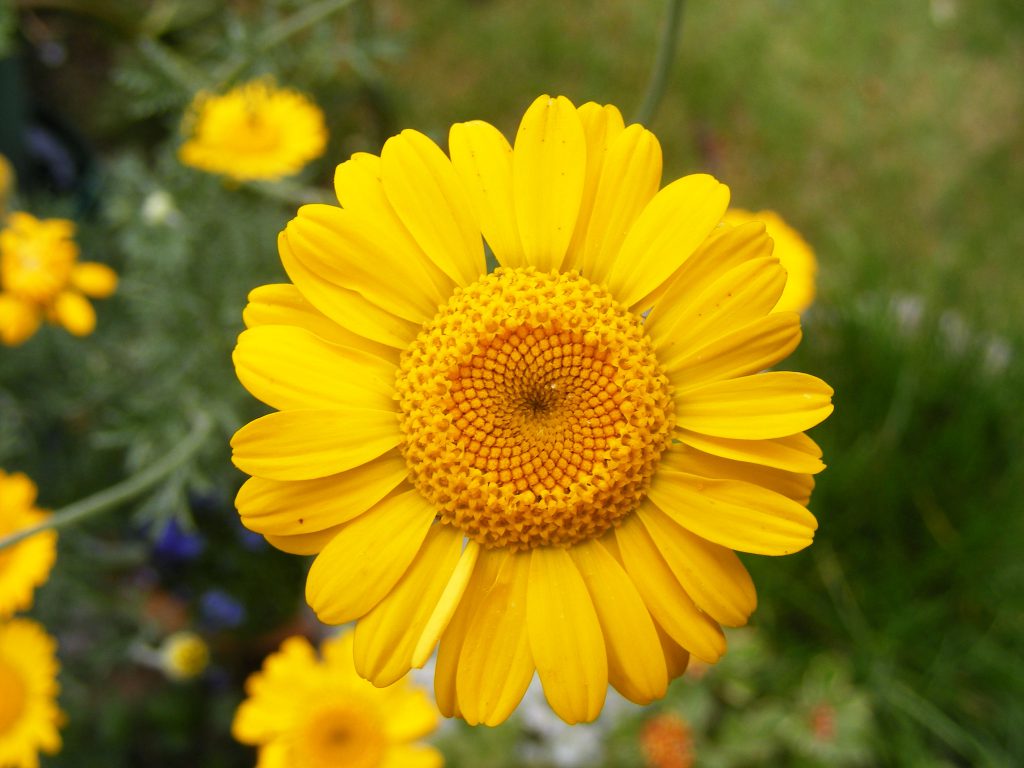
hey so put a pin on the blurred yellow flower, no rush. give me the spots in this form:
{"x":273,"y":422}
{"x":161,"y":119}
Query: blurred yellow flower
{"x":40,"y":277}
{"x":579,"y":439}
{"x":184,"y":655}
{"x":796,"y":256}
{"x":254,"y":131}
{"x":6,"y":184}
{"x":29,"y":716}
{"x":308,"y":712}
{"x":25,"y":565}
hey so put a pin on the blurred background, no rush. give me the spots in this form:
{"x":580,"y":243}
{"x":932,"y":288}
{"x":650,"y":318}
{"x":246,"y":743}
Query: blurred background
{"x":891,"y":135}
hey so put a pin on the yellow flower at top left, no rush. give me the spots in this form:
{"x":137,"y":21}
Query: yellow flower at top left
{"x":25,"y":565}
{"x":41,"y":277}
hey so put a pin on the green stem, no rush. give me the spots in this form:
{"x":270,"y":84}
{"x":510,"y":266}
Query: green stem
{"x":662,"y":62}
{"x":118,"y":494}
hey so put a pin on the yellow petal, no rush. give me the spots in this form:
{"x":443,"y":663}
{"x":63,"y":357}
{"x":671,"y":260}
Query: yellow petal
{"x":711,"y":575}
{"x":365,"y":560}
{"x":347,"y":250}
{"x":94,"y":279}
{"x":793,"y":453}
{"x":636,"y":667}
{"x":344,"y":306}
{"x":675,"y":222}
{"x":629,"y":180}
{"x":732,"y":513}
{"x":305,"y":444}
{"x":386,"y":637}
{"x":601,"y":125}
{"x":412,"y":756}
{"x":752,"y":348}
{"x":428,"y":197}
{"x":665,"y":598}
{"x":549,"y":166}
{"x":283,"y":304}
{"x":301,"y":506}
{"x":483,"y":159}
{"x":565,"y":637}
{"x":793,"y":485}
{"x":495,"y":666}
{"x":410,"y":713}
{"x":302,"y":543}
{"x":288,"y":367}
{"x":19,"y":320}
{"x":446,"y":604}
{"x":765,"y":405}
{"x":75,"y":313}
{"x":677,"y":658}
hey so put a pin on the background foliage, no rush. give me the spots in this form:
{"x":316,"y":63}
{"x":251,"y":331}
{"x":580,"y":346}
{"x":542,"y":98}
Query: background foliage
{"x":888,"y":134}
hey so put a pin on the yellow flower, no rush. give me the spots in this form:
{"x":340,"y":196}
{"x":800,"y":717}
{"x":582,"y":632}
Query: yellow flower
{"x":7,"y":180}
{"x":796,"y":256}
{"x":40,"y":276}
{"x":307,"y":712}
{"x":29,"y":716}
{"x":547,"y":467}
{"x":184,"y":655}
{"x":254,"y":131}
{"x":25,"y":565}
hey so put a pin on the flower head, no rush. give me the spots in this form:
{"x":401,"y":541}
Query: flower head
{"x":308,"y":712}
{"x":547,"y":467}
{"x":667,"y":742}
{"x":29,"y":716}
{"x":254,"y":131}
{"x":793,"y":252}
{"x":25,"y":565}
{"x":41,"y":277}
{"x":183,"y":655}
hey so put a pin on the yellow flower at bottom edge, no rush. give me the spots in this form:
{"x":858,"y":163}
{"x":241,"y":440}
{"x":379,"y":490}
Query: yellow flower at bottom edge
{"x":29,"y":716}
{"x":254,"y":131}
{"x":548,"y":467}
{"x":308,"y":712}
{"x":41,"y":277}
{"x":25,"y":565}
{"x":793,"y":252}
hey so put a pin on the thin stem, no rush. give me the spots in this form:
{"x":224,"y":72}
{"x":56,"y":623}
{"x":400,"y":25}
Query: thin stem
{"x":124,"y":491}
{"x":662,"y":62}
{"x":298,"y":21}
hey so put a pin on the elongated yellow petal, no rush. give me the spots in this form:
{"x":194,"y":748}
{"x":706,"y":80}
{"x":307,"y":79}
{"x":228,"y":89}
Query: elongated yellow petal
{"x":675,"y":222}
{"x":630,"y":177}
{"x":306,"y":444}
{"x":665,"y":598}
{"x":549,"y":166}
{"x":636,"y":667}
{"x":765,"y":405}
{"x":343,"y":305}
{"x":428,"y":197}
{"x":367,"y":557}
{"x":793,"y":453}
{"x":495,"y":665}
{"x":677,"y":658}
{"x":738,"y":515}
{"x":302,"y":543}
{"x":288,"y":367}
{"x":349,"y":251}
{"x":94,"y":279}
{"x":410,"y":715}
{"x":75,"y":313}
{"x":565,"y":637}
{"x":483,"y":159}
{"x":752,"y":348}
{"x":301,"y":506}
{"x":793,"y":485}
{"x":712,"y":575}
{"x":283,"y":304}
{"x":446,"y":604}
{"x":386,"y":637}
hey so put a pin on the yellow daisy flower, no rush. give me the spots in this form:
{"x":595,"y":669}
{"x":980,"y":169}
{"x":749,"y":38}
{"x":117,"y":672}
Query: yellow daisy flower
{"x":184,"y":655}
{"x":25,"y":565}
{"x":254,"y":131}
{"x":40,"y":276}
{"x":793,"y":252}
{"x":306,"y":712}
{"x":29,"y":716}
{"x":547,"y":467}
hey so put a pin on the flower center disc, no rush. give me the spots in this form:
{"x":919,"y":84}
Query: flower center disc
{"x":533,"y":409}
{"x":340,"y":735}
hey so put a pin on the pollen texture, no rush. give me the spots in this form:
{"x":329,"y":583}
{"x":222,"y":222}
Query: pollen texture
{"x":533,"y":409}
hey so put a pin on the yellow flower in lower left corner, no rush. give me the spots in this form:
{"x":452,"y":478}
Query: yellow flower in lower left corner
{"x":41,"y":277}
{"x":304,"y":711}
{"x":29,"y":715}
{"x":25,"y":565}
